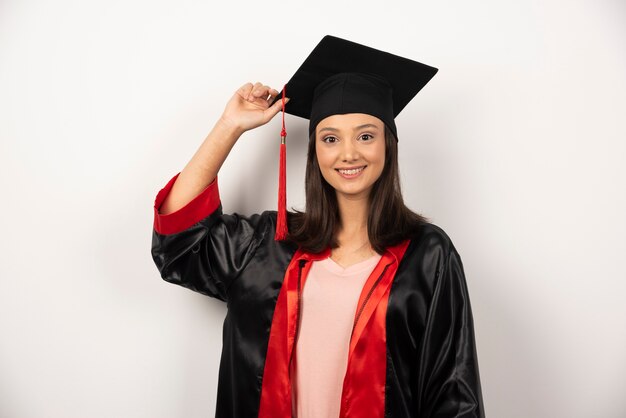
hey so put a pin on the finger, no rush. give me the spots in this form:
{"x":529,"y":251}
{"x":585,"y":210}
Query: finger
{"x":275,"y":95}
{"x":255,"y":92}
{"x":264,"y":92}
{"x":274,"y":109}
{"x":244,"y":91}
{"x":269,"y":93}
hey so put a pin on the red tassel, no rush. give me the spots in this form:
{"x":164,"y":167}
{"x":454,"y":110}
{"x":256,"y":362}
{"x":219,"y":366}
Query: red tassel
{"x":281,"y":221}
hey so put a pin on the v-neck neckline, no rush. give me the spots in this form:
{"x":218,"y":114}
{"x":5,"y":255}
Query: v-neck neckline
{"x":336,"y":268}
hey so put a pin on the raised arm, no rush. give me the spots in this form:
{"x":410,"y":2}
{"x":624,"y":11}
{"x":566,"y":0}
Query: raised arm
{"x":193,"y":243}
{"x":247,"y":109}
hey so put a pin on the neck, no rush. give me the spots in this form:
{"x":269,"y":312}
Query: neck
{"x":353,"y":213}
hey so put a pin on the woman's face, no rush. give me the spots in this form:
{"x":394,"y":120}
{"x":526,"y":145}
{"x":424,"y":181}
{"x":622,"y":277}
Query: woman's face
{"x":350,"y":152}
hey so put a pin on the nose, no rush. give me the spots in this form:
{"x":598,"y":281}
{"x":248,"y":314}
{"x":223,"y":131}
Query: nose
{"x":349,"y":151}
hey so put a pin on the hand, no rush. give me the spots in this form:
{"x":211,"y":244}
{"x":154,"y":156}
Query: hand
{"x":250,"y":107}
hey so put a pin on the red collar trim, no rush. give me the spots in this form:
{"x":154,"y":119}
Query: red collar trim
{"x":396,"y":252}
{"x":363,"y":391}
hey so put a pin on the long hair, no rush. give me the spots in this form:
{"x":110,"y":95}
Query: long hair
{"x":389,"y":221}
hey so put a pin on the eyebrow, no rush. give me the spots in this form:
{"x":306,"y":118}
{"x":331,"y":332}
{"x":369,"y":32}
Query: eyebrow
{"x":367,"y":125}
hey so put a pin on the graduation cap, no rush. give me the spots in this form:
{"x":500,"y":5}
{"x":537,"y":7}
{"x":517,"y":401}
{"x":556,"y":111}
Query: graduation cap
{"x":339,"y":77}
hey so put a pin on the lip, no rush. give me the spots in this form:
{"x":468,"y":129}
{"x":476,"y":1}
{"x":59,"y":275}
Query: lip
{"x":351,"y":176}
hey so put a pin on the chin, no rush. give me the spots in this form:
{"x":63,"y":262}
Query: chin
{"x":356,"y":192}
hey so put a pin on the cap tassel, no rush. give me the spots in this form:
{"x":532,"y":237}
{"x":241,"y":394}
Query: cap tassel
{"x":281,"y":221}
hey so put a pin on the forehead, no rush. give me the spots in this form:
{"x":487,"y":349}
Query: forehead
{"x":348,"y":122}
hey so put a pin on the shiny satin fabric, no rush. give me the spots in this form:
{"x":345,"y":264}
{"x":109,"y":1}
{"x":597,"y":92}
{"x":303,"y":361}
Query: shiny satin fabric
{"x":427,"y":368}
{"x":363,"y":393}
{"x":432,"y":359}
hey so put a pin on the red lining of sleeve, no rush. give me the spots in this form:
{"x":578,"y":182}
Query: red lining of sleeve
{"x":193,"y":212}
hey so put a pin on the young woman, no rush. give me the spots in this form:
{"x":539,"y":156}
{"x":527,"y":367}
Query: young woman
{"x":363,"y":311}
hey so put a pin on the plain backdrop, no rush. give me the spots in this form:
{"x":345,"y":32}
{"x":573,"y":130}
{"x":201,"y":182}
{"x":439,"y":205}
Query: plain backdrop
{"x":517,"y":148}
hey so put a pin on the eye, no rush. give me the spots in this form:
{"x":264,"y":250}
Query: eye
{"x":367,"y":137}
{"x":329,"y":139}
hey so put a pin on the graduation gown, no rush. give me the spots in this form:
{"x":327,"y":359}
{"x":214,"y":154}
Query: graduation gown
{"x":412,"y":349}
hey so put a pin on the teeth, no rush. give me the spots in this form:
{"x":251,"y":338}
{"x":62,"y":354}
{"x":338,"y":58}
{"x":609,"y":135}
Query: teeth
{"x":351,"y":172}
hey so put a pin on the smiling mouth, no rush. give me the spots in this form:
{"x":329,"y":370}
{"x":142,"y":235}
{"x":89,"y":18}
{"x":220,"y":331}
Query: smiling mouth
{"x":352,"y":172}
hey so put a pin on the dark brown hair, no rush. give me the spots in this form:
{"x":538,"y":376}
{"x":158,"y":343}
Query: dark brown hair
{"x":389,"y":220}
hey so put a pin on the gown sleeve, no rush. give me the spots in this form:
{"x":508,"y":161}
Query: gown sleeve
{"x":449,"y":381}
{"x":200,"y":248}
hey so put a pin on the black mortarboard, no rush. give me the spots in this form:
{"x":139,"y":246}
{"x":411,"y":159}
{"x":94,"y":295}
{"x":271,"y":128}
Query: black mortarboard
{"x":340,"y":76}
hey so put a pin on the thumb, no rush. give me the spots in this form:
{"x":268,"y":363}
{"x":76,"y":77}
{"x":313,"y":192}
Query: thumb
{"x":276,"y":107}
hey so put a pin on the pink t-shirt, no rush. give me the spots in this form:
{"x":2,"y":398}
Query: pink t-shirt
{"x":329,"y":302}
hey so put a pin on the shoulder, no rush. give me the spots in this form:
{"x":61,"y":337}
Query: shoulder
{"x":262,"y":220}
{"x":253,"y":226}
{"x":432,"y":237}
{"x":261,"y":224}
{"x":266,"y":229}
{"x":432,"y":254}
{"x":431,"y":247}
{"x":253,"y":231}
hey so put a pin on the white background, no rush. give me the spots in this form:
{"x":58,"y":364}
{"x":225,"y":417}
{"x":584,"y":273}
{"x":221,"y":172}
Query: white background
{"x":516,"y":148}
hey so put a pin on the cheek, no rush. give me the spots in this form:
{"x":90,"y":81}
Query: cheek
{"x":377,"y":153}
{"x":325,"y":158}
{"x":378,"y":156}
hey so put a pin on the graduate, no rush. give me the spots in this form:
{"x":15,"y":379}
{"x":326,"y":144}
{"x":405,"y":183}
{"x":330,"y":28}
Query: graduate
{"x":355,"y":307}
